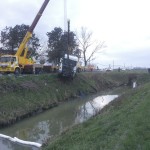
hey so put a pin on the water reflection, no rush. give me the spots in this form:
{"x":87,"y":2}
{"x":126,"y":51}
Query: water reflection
{"x":53,"y":122}
{"x":92,"y":107}
{"x":134,"y":85}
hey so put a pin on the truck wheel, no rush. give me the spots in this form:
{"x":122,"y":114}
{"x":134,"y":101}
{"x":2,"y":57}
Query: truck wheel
{"x":17,"y":71}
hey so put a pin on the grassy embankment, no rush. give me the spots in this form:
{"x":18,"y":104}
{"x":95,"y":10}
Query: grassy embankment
{"x":122,"y":125}
{"x":24,"y":96}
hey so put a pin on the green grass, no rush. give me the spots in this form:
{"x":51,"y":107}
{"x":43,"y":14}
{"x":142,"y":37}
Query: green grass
{"x":122,"y":125}
{"x":21,"y":96}
{"x":25,"y":95}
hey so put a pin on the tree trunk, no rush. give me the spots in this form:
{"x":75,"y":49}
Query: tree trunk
{"x":85,"y":61}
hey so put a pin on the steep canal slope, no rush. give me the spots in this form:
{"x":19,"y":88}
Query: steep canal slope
{"x":123,"y":124}
{"x":24,"y":96}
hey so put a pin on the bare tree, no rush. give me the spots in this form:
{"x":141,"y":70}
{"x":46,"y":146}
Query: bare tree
{"x":88,"y":47}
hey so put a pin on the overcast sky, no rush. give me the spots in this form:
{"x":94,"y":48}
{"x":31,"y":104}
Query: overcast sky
{"x":124,"y":25}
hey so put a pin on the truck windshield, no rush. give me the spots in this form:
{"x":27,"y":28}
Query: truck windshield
{"x":5,"y":59}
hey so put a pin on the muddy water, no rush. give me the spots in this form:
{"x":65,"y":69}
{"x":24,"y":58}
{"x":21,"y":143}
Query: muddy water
{"x":53,"y":122}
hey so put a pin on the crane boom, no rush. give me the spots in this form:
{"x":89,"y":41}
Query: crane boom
{"x":31,"y":28}
{"x":39,"y":14}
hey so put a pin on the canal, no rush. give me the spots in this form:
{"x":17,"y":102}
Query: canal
{"x":52,"y":122}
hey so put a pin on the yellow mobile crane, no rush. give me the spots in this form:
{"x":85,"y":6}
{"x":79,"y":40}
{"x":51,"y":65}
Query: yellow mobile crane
{"x":19,"y":62}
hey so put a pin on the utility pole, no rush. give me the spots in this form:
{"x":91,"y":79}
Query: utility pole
{"x":68,"y":43}
{"x":65,"y":15}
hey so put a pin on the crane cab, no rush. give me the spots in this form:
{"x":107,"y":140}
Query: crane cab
{"x":8,"y":63}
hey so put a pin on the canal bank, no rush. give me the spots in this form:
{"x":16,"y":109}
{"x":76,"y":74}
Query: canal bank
{"x":48,"y":125}
{"x":24,"y":133}
{"x":24,"y":96}
{"x":121,"y":125}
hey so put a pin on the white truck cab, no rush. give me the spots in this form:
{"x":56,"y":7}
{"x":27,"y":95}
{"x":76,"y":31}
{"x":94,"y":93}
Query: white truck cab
{"x":68,"y":66}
